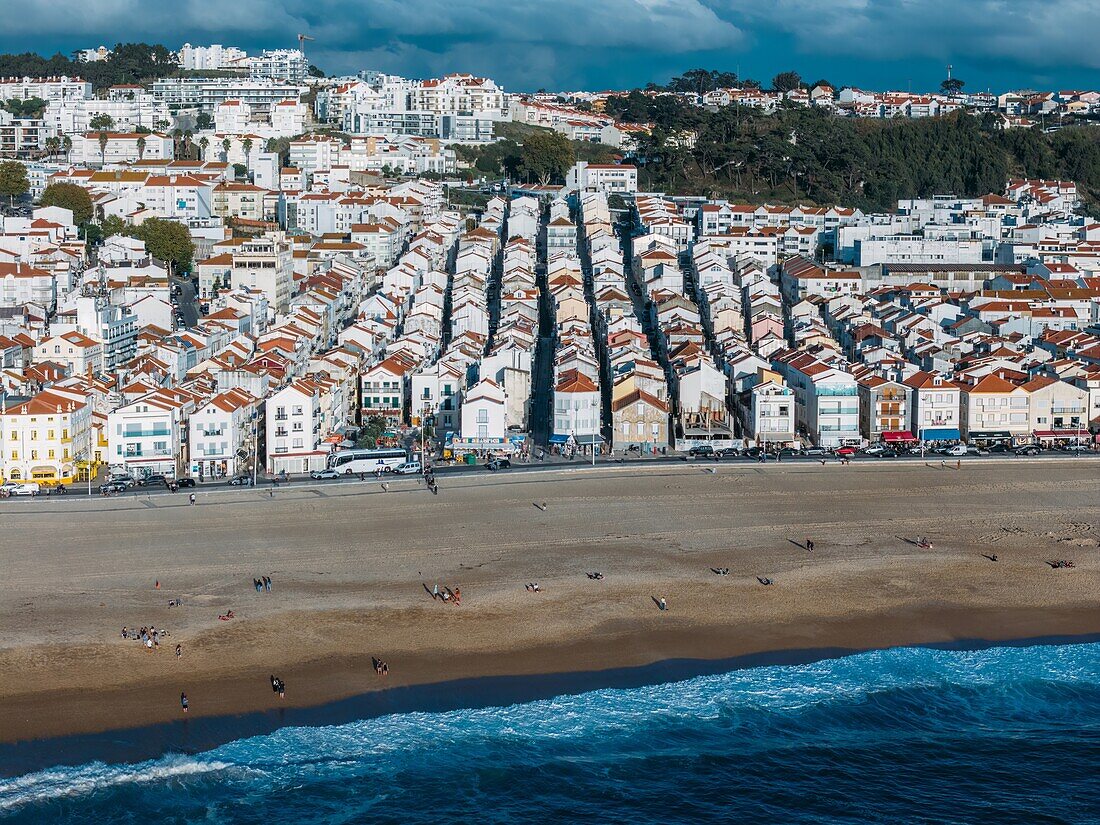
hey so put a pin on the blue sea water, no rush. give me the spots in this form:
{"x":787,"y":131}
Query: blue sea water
{"x":1000,"y":735}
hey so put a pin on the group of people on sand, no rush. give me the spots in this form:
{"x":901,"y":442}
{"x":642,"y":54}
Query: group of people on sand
{"x":380,"y":667}
{"x":148,"y":636}
{"x":278,"y":686}
{"x":595,"y":576}
{"x":262,"y":584}
{"x":446,"y":594}
{"x":1061,"y":564}
{"x":532,"y":587}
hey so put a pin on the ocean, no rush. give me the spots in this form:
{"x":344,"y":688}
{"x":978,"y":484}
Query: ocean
{"x":908,"y":735}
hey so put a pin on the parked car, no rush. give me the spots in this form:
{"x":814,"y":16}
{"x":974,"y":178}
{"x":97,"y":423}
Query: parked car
{"x":494,"y":464}
{"x":846,"y":452}
{"x":956,"y":450}
{"x":728,"y":452}
{"x":815,"y":451}
{"x":701,"y":450}
{"x":1029,"y":449}
{"x":112,"y":487}
{"x":27,"y":488}
{"x":409,"y":468}
{"x":973,"y":449}
{"x":321,"y":475}
{"x":887,"y":452}
{"x":240,"y":481}
{"x":790,"y":452}
{"x":1000,"y":447}
{"x":875,"y":449}
{"x":152,"y":480}
{"x":753,"y":452}
{"x":126,"y":481}
{"x":1075,"y":448}
{"x":186,"y":481}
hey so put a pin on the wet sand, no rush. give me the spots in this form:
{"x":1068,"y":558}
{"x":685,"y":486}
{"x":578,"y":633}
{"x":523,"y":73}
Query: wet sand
{"x":350,"y":564}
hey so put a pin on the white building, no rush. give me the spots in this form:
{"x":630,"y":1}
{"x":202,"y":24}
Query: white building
{"x":222,"y":435}
{"x":294,"y":429}
{"x":217,"y":57}
{"x":602,"y":177}
{"x":279,"y":64}
{"x":265,"y":264}
{"x":483,"y":416}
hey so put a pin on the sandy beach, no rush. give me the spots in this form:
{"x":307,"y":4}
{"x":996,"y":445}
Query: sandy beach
{"x":349,"y":565}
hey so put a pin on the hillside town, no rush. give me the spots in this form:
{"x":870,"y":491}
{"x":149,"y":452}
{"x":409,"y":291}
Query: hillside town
{"x":341,"y":295}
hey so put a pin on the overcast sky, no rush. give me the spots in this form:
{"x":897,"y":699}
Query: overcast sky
{"x":595,"y":44}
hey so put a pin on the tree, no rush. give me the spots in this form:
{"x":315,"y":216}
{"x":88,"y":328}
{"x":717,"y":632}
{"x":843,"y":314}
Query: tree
{"x":547,"y":155}
{"x":104,"y":138}
{"x":786,"y":81}
{"x":67,"y":147}
{"x":101,"y":122}
{"x":52,"y":145}
{"x":701,"y":81}
{"x":167,"y":240}
{"x":188,"y":136}
{"x":69,"y":196}
{"x":13,"y":180}
{"x":204,"y":121}
{"x":140,"y":148}
{"x":204,"y":142}
{"x":371,"y":431}
{"x":313,"y":71}
{"x":226,"y":143}
{"x":246,"y":144}
{"x":952,"y":86}
{"x":113,"y":225}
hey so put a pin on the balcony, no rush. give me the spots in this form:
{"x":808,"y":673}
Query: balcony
{"x":145,"y":433}
{"x":281,"y":432}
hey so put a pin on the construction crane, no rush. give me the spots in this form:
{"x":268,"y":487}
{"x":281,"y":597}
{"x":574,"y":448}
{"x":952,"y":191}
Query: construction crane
{"x":302,"y":38}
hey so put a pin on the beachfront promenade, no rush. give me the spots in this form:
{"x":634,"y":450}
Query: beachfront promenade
{"x":350,"y":561}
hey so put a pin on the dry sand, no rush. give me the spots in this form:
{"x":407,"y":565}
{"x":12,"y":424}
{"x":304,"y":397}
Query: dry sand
{"x":349,"y":564}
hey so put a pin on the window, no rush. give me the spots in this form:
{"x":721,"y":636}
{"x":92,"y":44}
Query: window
{"x":482,"y":416}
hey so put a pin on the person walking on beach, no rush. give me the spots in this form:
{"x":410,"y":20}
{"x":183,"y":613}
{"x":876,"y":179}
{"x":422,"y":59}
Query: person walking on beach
{"x":179,"y":652}
{"x":192,"y":499}
{"x":809,"y":545}
{"x":183,"y":701}
{"x":661,"y":603}
{"x":267,"y":583}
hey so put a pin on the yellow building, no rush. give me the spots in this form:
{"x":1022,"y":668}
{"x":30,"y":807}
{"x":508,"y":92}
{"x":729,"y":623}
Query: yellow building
{"x":46,"y":438}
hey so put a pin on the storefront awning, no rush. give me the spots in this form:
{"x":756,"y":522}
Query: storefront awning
{"x":990,"y":434}
{"x":941,"y":434}
{"x":897,"y":435}
{"x":1082,"y":433}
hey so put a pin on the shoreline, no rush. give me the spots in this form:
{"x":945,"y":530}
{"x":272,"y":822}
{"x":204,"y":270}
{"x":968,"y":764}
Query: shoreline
{"x":351,"y":569}
{"x":190,"y":736}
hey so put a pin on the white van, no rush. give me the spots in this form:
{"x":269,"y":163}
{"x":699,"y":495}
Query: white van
{"x":27,"y":488}
{"x":957,"y":450}
{"x":408,"y":468}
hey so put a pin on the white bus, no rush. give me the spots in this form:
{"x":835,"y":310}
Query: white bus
{"x":351,"y":462}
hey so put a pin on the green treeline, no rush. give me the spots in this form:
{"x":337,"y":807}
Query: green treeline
{"x":810,"y":155}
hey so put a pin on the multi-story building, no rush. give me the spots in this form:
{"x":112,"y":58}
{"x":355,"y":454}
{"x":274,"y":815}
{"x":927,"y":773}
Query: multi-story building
{"x":147,"y":435}
{"x":46,"y":438}
{"x":217,"y":57}
{"x":883,"y":408}
{"x":265,"y":264}
{"x":935,"y":407}
{"x":205,"y":93}
{"x":223,"y":435}
{"x":612,"y":178}
{"x":279,"y":64}
{"x":771,"y":418}
{"x":293,"y":421}
{"x":995,"y":409}
{"x":826,"y":396}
